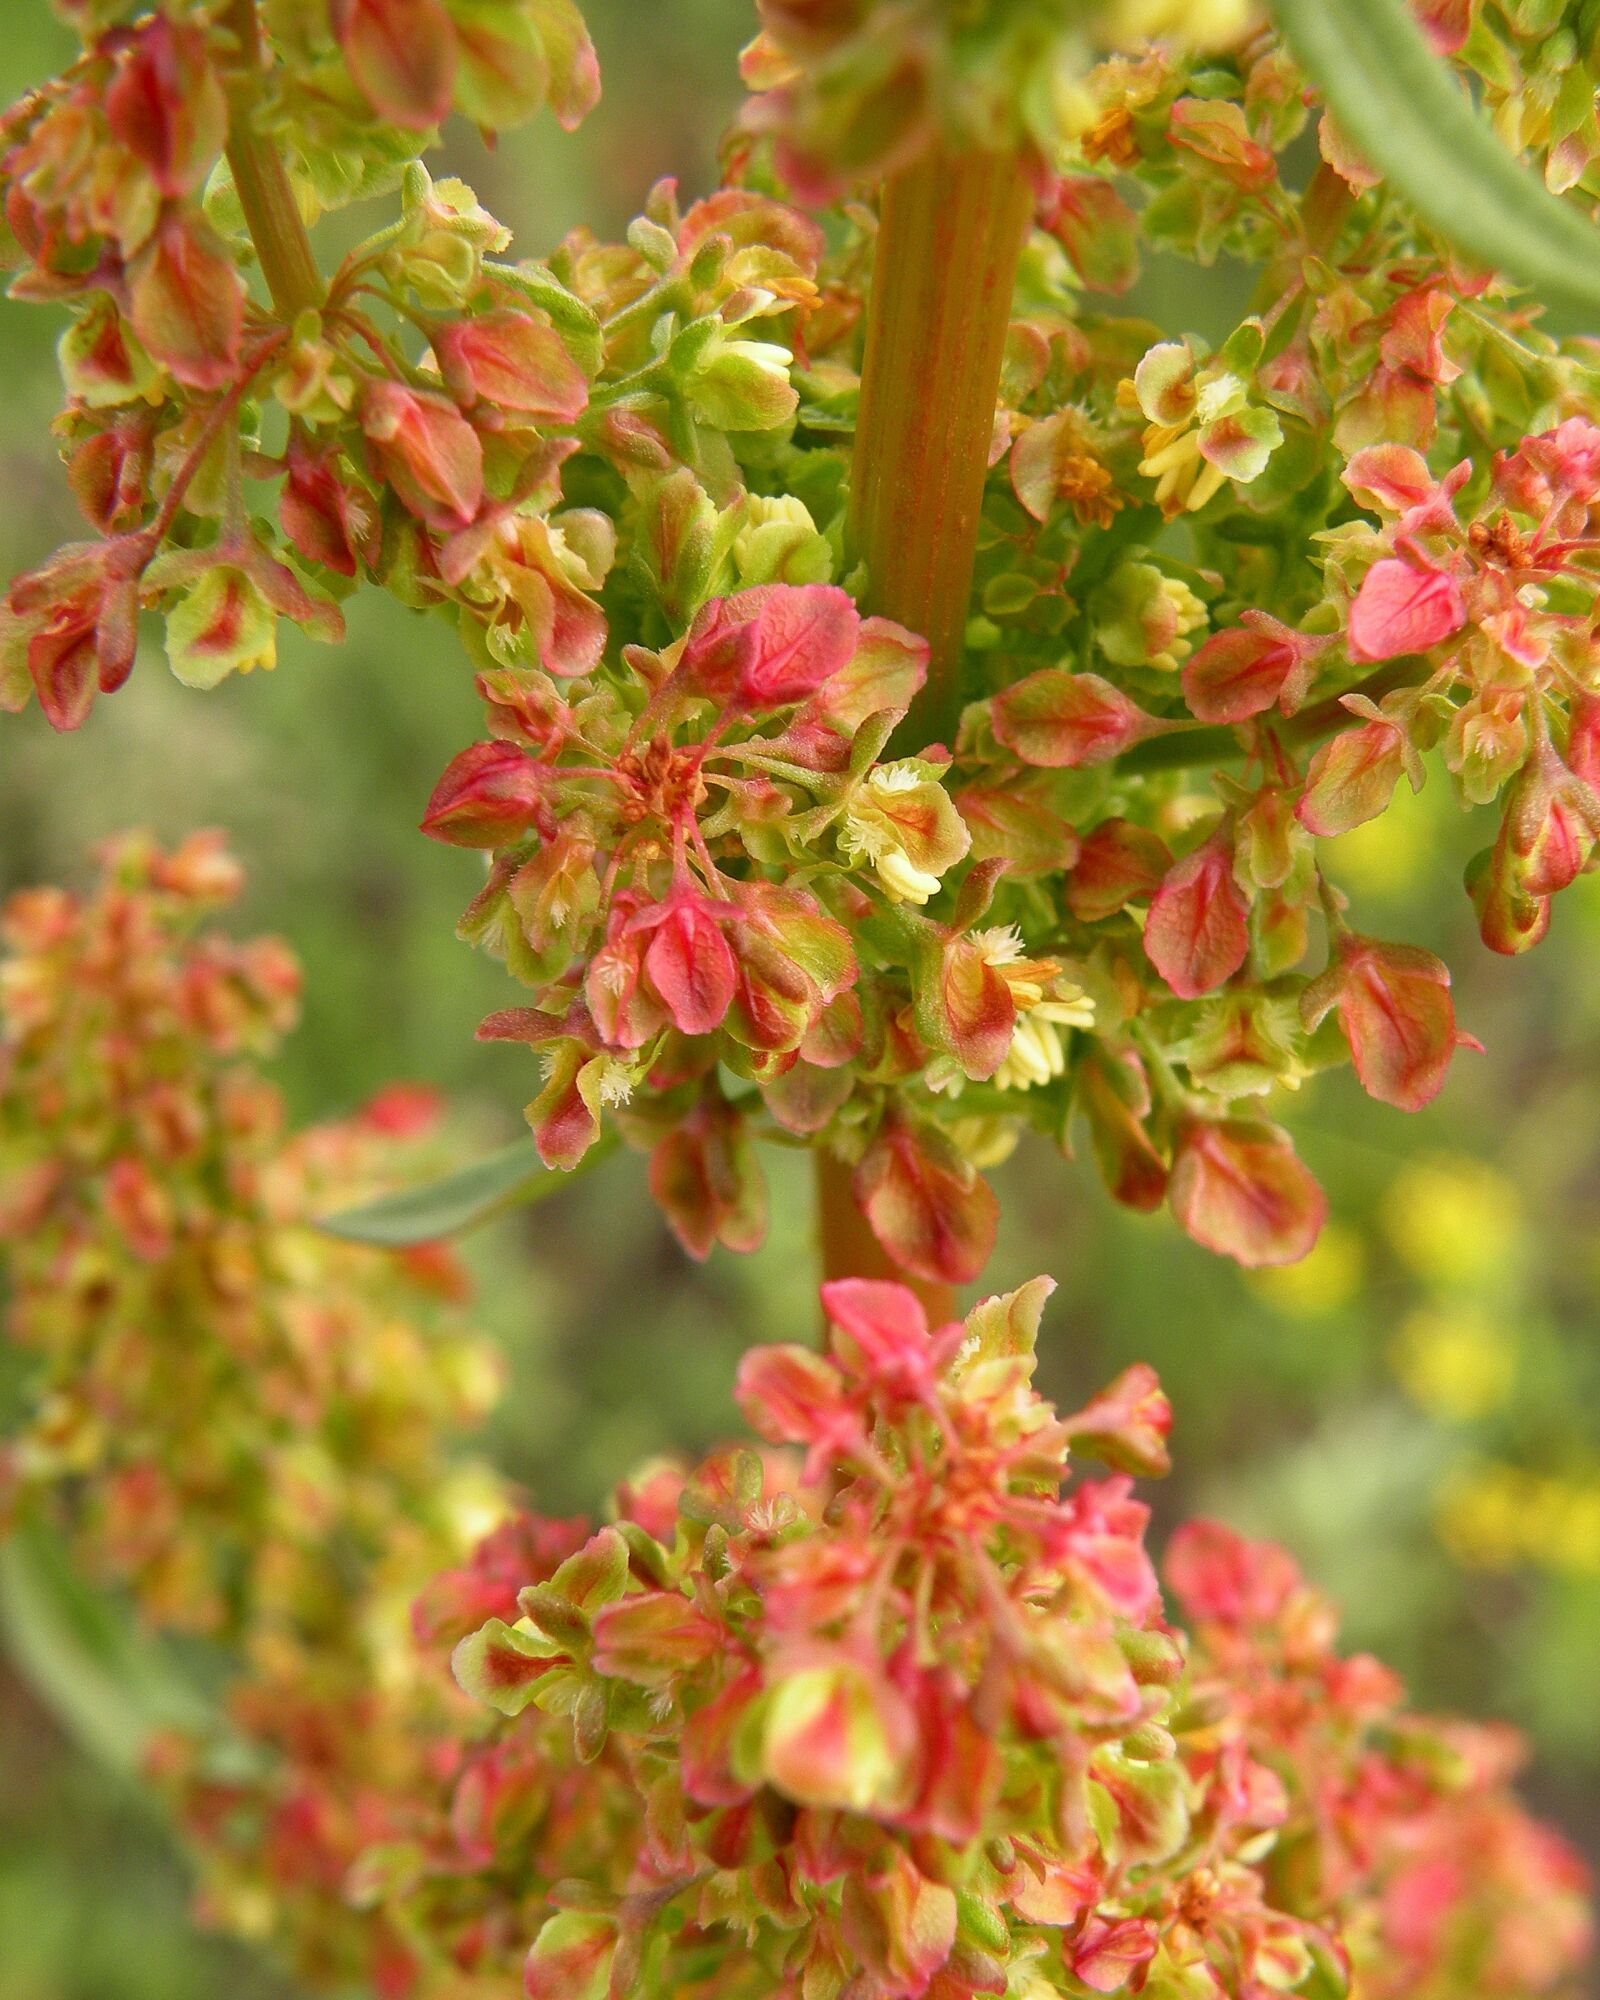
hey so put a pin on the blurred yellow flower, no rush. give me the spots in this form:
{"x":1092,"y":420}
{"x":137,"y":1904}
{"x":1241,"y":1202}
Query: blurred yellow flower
{"x":1320,"y":1283}
{"x":1454,"y":1365}
{"x":1479,"y":1517}
{"x":1500,"y":1516}
{"x":1455,"y":1221}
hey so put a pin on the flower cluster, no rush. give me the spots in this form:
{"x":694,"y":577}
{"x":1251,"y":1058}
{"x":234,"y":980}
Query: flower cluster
{"x":746,"y":901}
{"x":884,"y":1699}
{"x":708,"y":860}
{"x":220,"y":1383}
{"x":139,"y":187}
{"x":888,"y":1709}
{"x":848,"y":92}
{"x":244,"y":1424}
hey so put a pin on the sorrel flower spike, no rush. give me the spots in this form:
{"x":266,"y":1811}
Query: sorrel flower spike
{"x":187,"y":145}
{"x":841,"y":668}
{"x":905,"y":1716}
{"x":894,"y":1697}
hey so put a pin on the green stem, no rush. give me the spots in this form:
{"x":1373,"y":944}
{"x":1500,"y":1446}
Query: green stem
{"x":1189,"y":749}
{"x":287,"y":263}
{"x":951,"y":232}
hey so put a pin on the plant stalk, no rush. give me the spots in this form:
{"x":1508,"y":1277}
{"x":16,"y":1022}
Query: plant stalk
{"x":951,"y":232}
{"x":279,"y":235}
{"x":850,"y":1250}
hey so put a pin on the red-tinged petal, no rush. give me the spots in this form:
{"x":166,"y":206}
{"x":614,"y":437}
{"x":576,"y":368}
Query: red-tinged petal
{"x":1398,"y":1017}
{"x":963,"y":1769}
{"x":1215,"y":130}
{"x":1061,"y":720}
{"x":1109,"y":1951}
{"x":1216,"y":1574}
{"x":166,"y":105}
{"x":489,"y":795}
{"x":564,"y":1117}
{"x":64,"y":666}
{"x":1010,"y":823}
{"x":1127,"y":1424}
{"x":708,"y":1183}
{"x":516,"y":360}
{"x":571,"y":1958}
{"x":501,"y":1665}
{"x":802,"y":637}
{"x":750,"y":221}
{"x":1096,"y":228}
{"x":186,"y":303}
{"x":1559,"y":852}
{"x":837,"y":1734}
{"x":929,"y":1209}
{"x":1390,"y":477}
{"x":1447,"y":23}
{"x":1134,"y":1172}
{"x":1119,"y":863}
{"x":709,"y":1736}
{"x":835,"y":1038}
{"x":430,"y":453}
{"x":767,"y":647}
{"x":330,"y":521}
{"x":1238,"y":1188}
{"x":788,"y":1394}
{"x":1352,"y":778}
{"x":900,"y":1925}
{"x":402,"y":57}
{"x":1237,"y":674}
{"x":692,"y":968}
{"x":1198,"y":930}
{"x":1152,"y":1802}
{"x":574,"y":67}
{"x":883,"y":675}
{"x":1510,"y":920}
{"x":977,"y":1012}
{"x":140,"y":1208}
{"x":1401,"y":608}
{"x":886,"y":1335}
{"x":650,"y":1640}
{"x":625,"y":1013}
{"x":1552,"y":817}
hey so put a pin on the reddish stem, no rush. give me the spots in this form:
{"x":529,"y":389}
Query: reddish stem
{"x":950,"y":235}
{"x":216,"y":417}
{"x":850,"y":1250}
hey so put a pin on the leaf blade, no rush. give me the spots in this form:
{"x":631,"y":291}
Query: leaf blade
{"x":513,"y":1177}
{"x":1400,"y":107}
{"x":111,"y":1686}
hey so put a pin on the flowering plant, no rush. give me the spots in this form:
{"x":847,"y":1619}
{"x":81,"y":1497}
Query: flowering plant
{"x":916,"y":698}
{"x":885,"y":1699}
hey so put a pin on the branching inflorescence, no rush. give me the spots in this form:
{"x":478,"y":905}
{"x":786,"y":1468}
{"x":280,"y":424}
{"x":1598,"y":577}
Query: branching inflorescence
{"x":916,"y":696}
{"x":1222,"y":603}
{"x":884,"y":1706}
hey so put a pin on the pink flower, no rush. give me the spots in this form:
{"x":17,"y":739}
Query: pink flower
{"x":1403,"y":607}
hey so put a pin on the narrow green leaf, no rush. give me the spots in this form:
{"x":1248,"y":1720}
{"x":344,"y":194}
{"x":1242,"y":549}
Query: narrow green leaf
{"x":460,"y":1201}
{"x":109,"y":1684}
{"x":1404,"y":111}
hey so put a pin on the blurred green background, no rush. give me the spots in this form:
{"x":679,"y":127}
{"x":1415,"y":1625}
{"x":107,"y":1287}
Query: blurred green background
{"x":1415,"y":1411}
